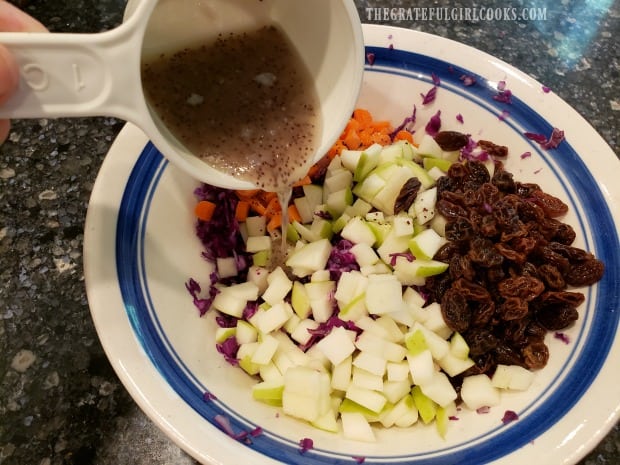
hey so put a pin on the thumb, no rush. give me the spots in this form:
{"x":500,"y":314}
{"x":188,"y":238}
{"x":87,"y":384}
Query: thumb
{"x":12,"y":19}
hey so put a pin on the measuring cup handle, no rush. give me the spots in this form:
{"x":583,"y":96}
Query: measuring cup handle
{"x":63,"y":75}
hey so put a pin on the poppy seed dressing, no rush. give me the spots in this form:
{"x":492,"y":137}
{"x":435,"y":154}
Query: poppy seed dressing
{"x":245,"y":104}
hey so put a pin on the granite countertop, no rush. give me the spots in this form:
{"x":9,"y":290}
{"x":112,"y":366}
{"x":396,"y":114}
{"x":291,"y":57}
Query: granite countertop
{"x":60,"y":400}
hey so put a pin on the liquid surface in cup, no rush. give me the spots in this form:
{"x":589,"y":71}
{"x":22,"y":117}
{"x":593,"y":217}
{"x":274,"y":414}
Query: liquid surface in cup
{"x":245,"y":104}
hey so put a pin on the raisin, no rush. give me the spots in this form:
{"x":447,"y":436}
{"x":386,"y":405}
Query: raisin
{"x":493,"y":149}
{"x":564,"y":234}
{"x":483,"y":313}
{"x":563,"y":297}
{"x":482,"y":252}
{"x":524,"y":287}
{"x":478,"y":174}
{"x":471,"y":291}
{"x":460,"y":266}
{"x":509,"y":253}
{"x":457,"y":171}
{"x":506,"y":355}
{"x":551,"y":276}
{"x":488,"y":226}
{"x":480,"y":341}
{"x":447,"y":251}
{"x":504,"y":181}
{"x":556,"y":317}
{"x":407,"y":195}
{"x":455,"y":311}
{"x":459,"y":229}
{"x":513,"y":308}
{"x":525,"y":190}
{"x":535,"y":355}
{"x":451,"y":140}
{"x":585,"y":273}
{"x":551,"y":205}
{"x":450,"y":210}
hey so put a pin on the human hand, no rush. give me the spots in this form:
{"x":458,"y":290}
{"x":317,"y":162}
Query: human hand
{"x":12,"y":19}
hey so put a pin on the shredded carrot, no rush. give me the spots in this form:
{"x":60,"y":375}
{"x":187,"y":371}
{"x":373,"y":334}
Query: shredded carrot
{"x":352,"y":139}
{"x":404,"y":135}
{"x":362,"y":115}
{"x":275,"y":222}
{"x":242,"y":210}
{"x":303,"y":181}
{"x":204,"y":210}
{"x":293,"y":213}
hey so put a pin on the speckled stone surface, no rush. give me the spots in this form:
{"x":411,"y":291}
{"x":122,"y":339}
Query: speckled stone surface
{"x":60,"y":401}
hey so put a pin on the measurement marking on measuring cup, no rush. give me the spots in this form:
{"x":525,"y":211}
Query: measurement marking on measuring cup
{"x":35,"y":76}
{"x":77,"y":77}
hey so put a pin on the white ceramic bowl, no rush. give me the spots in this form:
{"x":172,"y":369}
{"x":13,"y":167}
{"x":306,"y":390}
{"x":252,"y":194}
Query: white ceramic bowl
{"x":140,"y":250}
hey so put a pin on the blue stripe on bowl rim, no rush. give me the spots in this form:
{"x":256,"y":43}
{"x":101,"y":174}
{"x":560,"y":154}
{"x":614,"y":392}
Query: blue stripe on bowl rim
{"x":590,"y":348}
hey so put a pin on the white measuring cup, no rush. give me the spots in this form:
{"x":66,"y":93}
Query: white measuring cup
{"x":74,"y":75}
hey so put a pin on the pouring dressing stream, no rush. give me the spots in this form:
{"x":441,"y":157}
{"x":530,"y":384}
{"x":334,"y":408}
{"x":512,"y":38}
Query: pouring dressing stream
{"x":111,"y":74}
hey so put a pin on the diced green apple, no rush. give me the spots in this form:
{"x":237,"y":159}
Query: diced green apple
{"x":300,"y":300}
{"x":341,"y":374}
{"x":358,"y":231}
{"x":512,"y":377}
{"x":439,"y":389}
{"x":268,"y":391}
{"x":337,"y":345}
{"x":278,"y":287}
{"x":426,"y":407}
{"x":368,"y":160}
{"x":306,"y":393}
{"x":356,"y":427}
{"x":327,"y":422}
{"x":256,"y":225}
{"x":383,"y":294}
{"x":245,"y":332}
{"x":371,"y":399}
{"x":310,"y":257}
{"x":428,"y":147}
{"x":478,"y":391}
{"x":424,"y":205}
{"x":425,"y":244}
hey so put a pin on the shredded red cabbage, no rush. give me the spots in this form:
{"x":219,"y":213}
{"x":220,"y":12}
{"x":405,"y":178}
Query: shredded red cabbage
{"x":359,"y":459}
{"x":459,"y":118}
{"x":305,"y":445}
{"x":509,"y":416}
{"x":370,"y":57}
{"x":325,"y":328}
{"x":407,"y":123}
{"x":194,"y":289}
{"x":341,"y":259}
{"x":408,"y":255}
{"x":556,"y":137}
{"x":526,"y":155}
{"x":503,"y":115}
{"x":208,"y":396}
{"x":546,"y":89}
{"x":562,"y":337}
{"x":504,"y":96}
{"x":429,"y":96}
{"x":468,"y":80}
{"x":434,"y":124}
{"x":229,"y":349}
